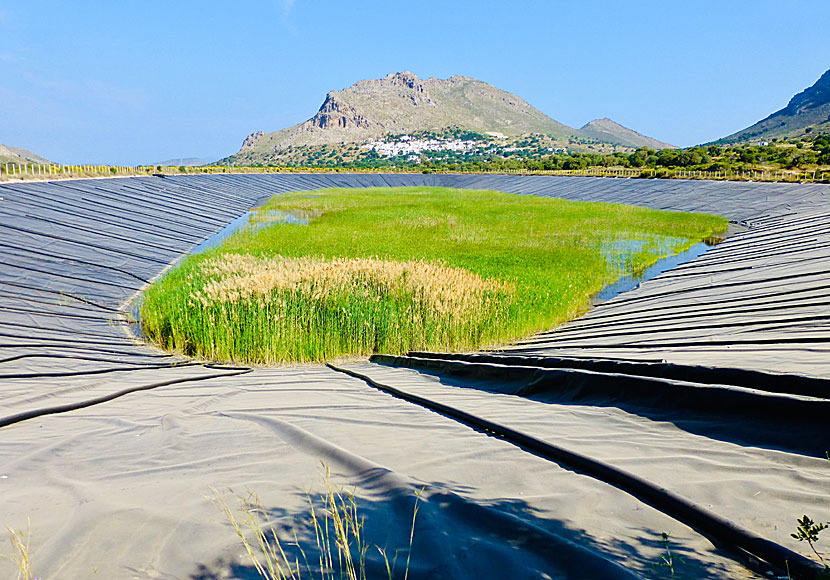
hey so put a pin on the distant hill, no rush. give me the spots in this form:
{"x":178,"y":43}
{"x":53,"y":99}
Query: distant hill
{"x":608,"y":131}
{"x":402,"y":103}
{"x":18,"y":155}
{"x":807,"y":112}
{"x":182,"y":162}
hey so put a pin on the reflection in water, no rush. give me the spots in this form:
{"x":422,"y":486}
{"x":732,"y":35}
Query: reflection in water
{"x":256,"y":220}
{"x":620,"y":256}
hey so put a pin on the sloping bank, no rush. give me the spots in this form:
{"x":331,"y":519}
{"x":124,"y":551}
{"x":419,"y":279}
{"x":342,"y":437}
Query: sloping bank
{"x":117,"y":485}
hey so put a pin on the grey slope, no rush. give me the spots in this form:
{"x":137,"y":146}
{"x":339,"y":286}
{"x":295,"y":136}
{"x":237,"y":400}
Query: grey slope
{"x":123,"y":442}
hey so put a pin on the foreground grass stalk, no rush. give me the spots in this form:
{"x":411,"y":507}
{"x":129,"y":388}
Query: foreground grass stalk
{"x":411,"y":535}
{"x":338,"y":535}
{"x":20,"y":557}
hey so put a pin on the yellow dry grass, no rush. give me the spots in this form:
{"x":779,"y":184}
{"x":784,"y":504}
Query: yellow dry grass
{"x":447,"y":290}
{"x":20,"y":557}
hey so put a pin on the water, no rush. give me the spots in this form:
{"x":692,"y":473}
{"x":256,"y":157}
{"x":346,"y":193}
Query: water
{"x":255,"y":220}
{"x":618,"y":253}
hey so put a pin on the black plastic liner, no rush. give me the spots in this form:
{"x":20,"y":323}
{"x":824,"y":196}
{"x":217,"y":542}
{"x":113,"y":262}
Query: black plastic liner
{"x":117,"y":437}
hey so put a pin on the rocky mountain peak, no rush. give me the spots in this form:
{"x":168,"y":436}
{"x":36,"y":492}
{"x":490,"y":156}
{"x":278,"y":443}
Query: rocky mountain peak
{"x":812,"y":97}
{"x":406,"y":79}
{"x":807,"y":112}
{"x":402,"y":103}
{"x":251,"y":139}
{"x":604,"y":122}
{"x":402,"y":85}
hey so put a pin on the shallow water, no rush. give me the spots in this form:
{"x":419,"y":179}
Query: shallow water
{"x":621,"y":251}
{"x":619,"y":254}
{"x":253,"y":220}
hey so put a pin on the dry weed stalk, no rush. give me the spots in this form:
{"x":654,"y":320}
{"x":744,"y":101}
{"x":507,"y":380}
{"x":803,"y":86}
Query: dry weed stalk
{"x":338,"y":535}
{"x":20,"y":552}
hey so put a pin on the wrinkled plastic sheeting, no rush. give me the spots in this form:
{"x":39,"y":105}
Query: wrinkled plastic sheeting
{"x":759,"y":300}
{"x":122,"y":441}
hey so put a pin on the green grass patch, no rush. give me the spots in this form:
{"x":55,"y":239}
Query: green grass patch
{"x":398,"y":269}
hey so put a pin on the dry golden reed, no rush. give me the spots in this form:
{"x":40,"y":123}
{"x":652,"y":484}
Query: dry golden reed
{"x":240,"y":307}
{"x":447,"y":290}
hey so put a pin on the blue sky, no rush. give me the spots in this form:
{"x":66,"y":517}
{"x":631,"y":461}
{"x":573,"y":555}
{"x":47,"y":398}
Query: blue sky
{"x":130,"y":83}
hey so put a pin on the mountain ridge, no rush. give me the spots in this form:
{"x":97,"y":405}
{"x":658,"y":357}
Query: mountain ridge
{"x":9,"y":154}
{"x":182,"y":162}
{"x":610,"y":131}
{"x":402,"y":103}
{"x":806,"y":112}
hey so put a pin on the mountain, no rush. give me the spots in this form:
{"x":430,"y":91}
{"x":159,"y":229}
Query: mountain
{"x":18,"y":155}
{"x":402,"y":103}
{"x":807,"y":112}
{"x":182,"y":162}
{"x":608,"y":131}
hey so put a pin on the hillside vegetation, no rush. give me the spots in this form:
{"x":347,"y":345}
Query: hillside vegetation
{"x":808,"y":154}
{"x":533,"y":153}
{"x":451,"y":145}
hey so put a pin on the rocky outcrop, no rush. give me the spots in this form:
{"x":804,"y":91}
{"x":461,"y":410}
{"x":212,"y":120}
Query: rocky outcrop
{"x":403,"y":103}
{"x":251,"y":139}
{"x":337,"y":114}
